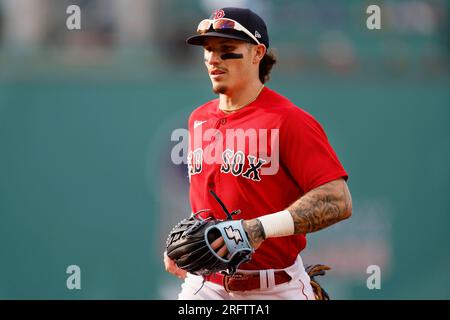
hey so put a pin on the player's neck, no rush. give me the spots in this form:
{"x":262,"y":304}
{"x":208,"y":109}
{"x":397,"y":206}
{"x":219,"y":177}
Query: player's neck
{"x":240,"y":99}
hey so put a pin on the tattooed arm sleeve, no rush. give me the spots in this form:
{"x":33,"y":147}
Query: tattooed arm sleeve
{"x":316,"y":210}
{"x":322,"y":207}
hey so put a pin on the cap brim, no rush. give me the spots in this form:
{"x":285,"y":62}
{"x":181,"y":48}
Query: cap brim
{"x":198,"y":40}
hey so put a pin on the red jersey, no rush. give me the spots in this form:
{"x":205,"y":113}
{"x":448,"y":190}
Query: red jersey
{"x":259,"y":159}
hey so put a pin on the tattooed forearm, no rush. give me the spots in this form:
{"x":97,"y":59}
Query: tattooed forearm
{"x":255,"y":232}
{"x":321,"y":207}
{"x":318,"y":209}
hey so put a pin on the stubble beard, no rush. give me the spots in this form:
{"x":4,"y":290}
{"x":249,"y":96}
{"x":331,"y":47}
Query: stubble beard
{"x":219,"y":89}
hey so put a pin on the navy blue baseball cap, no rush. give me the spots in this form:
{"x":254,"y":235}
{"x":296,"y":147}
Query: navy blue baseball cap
{"x":250,"y":27}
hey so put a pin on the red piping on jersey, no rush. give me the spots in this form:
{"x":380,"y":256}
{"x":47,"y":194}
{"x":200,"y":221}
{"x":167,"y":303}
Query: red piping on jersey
{"x":303,"y":289}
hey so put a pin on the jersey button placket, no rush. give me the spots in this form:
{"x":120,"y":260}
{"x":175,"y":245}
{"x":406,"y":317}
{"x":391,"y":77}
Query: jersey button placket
{"x":220,"y":122}
{"x":211,"y":184}
{"x":217,"y":126}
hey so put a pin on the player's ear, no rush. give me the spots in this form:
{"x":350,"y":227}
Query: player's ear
{"x":260,"y":51}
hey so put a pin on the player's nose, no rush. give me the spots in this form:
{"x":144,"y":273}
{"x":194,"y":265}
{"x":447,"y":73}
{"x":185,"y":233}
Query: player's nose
{"x":212,"y":58}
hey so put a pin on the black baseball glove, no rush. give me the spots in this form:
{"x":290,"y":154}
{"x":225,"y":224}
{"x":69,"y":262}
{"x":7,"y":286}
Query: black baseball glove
{"x":189,"y":244}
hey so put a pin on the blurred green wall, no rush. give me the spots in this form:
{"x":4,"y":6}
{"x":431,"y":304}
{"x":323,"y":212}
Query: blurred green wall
{"x":80,"y":177}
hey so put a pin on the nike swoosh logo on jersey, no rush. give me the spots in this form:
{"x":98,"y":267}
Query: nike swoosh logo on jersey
{"x":198,"y":123}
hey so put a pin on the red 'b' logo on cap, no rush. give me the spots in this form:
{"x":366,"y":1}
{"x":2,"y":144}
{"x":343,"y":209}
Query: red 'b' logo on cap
{"x":217,"y":14}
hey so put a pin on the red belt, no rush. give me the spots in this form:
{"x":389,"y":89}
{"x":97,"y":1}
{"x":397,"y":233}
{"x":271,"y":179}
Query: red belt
{"x":245,"y":282}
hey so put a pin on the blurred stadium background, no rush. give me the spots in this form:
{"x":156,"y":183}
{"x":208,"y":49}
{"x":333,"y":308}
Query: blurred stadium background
{"x":86,"y":119}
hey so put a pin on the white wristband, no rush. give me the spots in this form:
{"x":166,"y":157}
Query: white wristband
{"x":277,"y":224}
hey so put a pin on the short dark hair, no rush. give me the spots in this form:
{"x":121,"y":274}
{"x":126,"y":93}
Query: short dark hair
{"x":265,"y":66}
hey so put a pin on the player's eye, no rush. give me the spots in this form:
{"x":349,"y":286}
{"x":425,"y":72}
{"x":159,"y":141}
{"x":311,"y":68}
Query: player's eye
{"x":228,"y":48}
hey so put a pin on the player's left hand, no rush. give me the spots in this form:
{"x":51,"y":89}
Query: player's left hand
{"x":220,"y":247}
{"x":201,"y":246}
{"x":254,"y":233}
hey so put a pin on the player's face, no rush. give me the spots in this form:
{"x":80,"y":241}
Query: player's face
{"x":228,"y":62}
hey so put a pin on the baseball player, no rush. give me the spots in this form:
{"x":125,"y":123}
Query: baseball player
{"x":263,"y":155}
